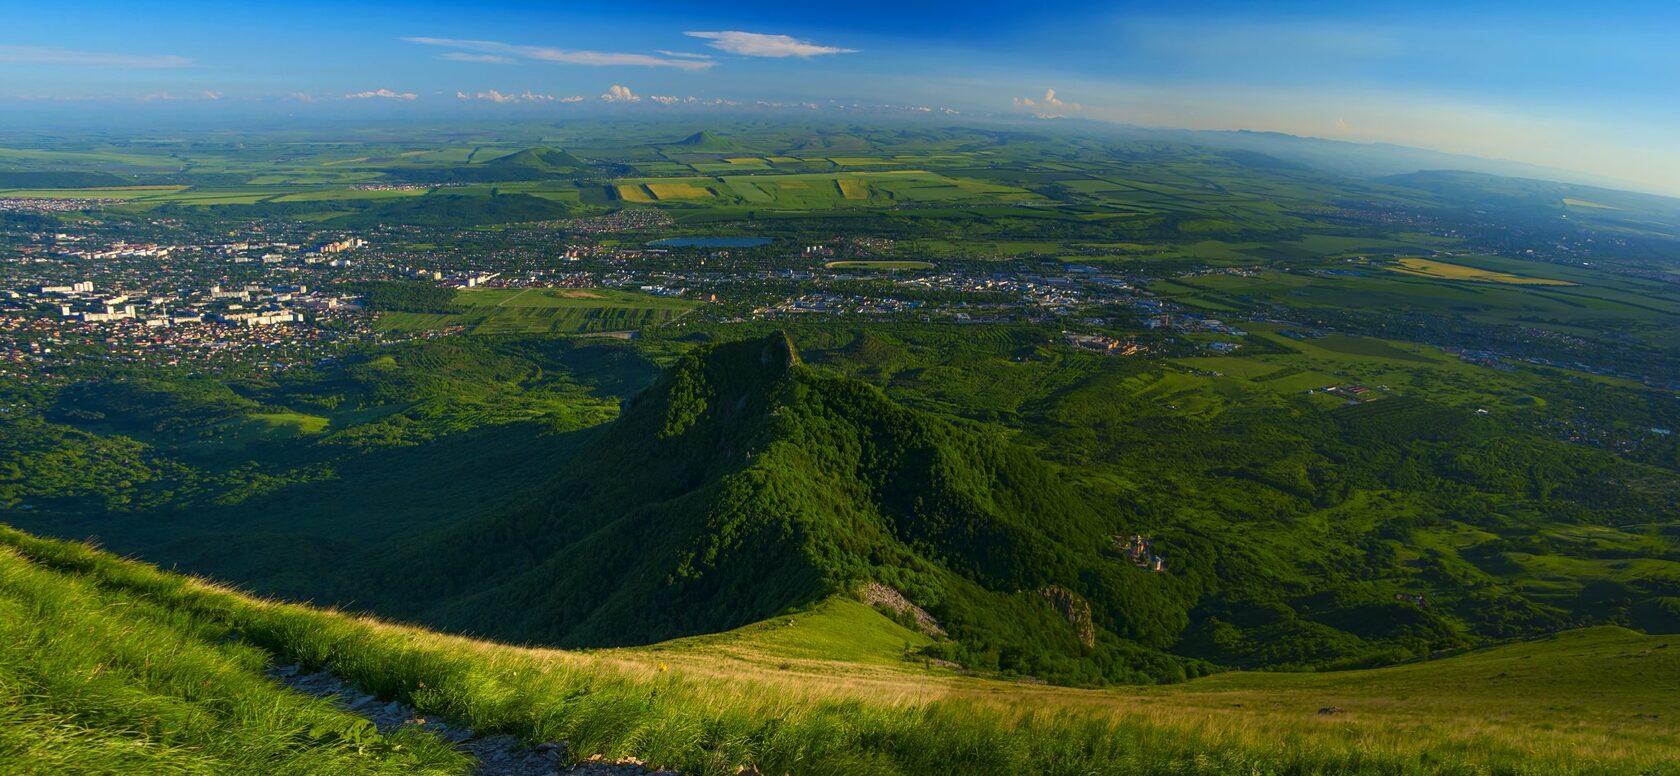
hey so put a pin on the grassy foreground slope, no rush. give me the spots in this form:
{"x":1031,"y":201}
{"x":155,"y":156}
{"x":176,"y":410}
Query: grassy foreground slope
{"x":97,"y":679}
{"x":112,"y":666}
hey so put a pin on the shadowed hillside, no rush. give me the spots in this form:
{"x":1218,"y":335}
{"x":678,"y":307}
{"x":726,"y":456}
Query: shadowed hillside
{"x":744,"y":485}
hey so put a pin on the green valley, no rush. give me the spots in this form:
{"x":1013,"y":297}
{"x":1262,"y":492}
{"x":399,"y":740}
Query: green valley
{"x":891,"y":446}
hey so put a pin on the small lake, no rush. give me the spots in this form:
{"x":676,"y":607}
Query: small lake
{"x":711,"y":242}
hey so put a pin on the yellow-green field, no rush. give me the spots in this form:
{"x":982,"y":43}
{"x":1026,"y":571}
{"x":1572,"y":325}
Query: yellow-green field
{"x":634,"y":192}
{"x":1431,"y":268}
{"x":852,"y":188}
{"x":679,"y":191}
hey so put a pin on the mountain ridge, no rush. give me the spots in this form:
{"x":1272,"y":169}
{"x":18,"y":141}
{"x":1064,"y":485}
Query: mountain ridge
{"x":745,"y":485}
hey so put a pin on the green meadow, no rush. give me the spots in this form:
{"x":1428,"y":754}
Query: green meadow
{"x":544,"y":311}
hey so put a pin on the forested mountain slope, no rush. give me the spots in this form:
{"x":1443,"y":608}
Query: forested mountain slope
{"x":746,"y":484}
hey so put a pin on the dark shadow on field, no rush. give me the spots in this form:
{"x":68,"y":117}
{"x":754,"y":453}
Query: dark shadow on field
{"x":316,"y":541}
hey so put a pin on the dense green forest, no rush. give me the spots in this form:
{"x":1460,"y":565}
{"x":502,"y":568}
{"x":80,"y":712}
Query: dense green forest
{"x":995,"y":491}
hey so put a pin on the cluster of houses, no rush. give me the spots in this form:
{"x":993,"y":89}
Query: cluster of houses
{"x":250,"y":305}
{"x":1102,"y":344}
{"x":1353,"y":392}
{"x":340,"y":246}
{"x":820,"y":302}
{"x":122,"y":250}
{"x":50,"y":204}
{"x":1141,"y":551}
{"x":1190,"y":322}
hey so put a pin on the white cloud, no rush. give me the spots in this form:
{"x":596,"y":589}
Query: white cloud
{"x":301,"y":97}
{"x":561,"y":56}
{"x":620,"y":94}
{"x":667,"y":99}
{"x":492,"y":95}
{"x":754,"y":44}
{"x":1049,"y":106}
{"x":682,"y":54}
{"x":386,"y":94}
{"x":173,"y":97}
{"x":41,"y":55}
{"x":491,"y":59}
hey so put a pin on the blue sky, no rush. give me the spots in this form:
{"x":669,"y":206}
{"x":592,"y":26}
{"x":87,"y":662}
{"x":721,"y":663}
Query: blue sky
{"x":1588,"y":87}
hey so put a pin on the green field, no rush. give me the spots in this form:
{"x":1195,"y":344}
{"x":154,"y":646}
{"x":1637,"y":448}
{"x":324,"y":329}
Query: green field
{"x":102,"y":192}
{"x":544,"y":311}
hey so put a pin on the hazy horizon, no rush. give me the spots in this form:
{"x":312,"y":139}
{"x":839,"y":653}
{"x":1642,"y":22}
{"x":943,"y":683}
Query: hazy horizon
{"x":1538,"y":84}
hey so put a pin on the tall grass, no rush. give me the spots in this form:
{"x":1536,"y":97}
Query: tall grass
{"x":699,"y":725}
{"x":97,"y":680}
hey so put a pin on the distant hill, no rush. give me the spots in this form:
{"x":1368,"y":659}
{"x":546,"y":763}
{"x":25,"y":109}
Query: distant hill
{"x":745,"y":485}
{"x":538,"y":163}
{"x":1341,"y":157}
{"x":538,"y":159}
{"x":54,"y":179}
{"x":1554,"y":204}
{"x":710,"y":142}
{"x":1459,"y":186}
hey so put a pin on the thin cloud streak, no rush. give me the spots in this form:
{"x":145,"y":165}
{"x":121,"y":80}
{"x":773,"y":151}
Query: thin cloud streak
{"x":41,"y":55}
{"x":755,"y":44}
{"x":561,"y":56}
{"x":462,"y":56}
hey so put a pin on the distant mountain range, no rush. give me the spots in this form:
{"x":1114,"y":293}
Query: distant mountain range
{"x":1361,"y":160}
